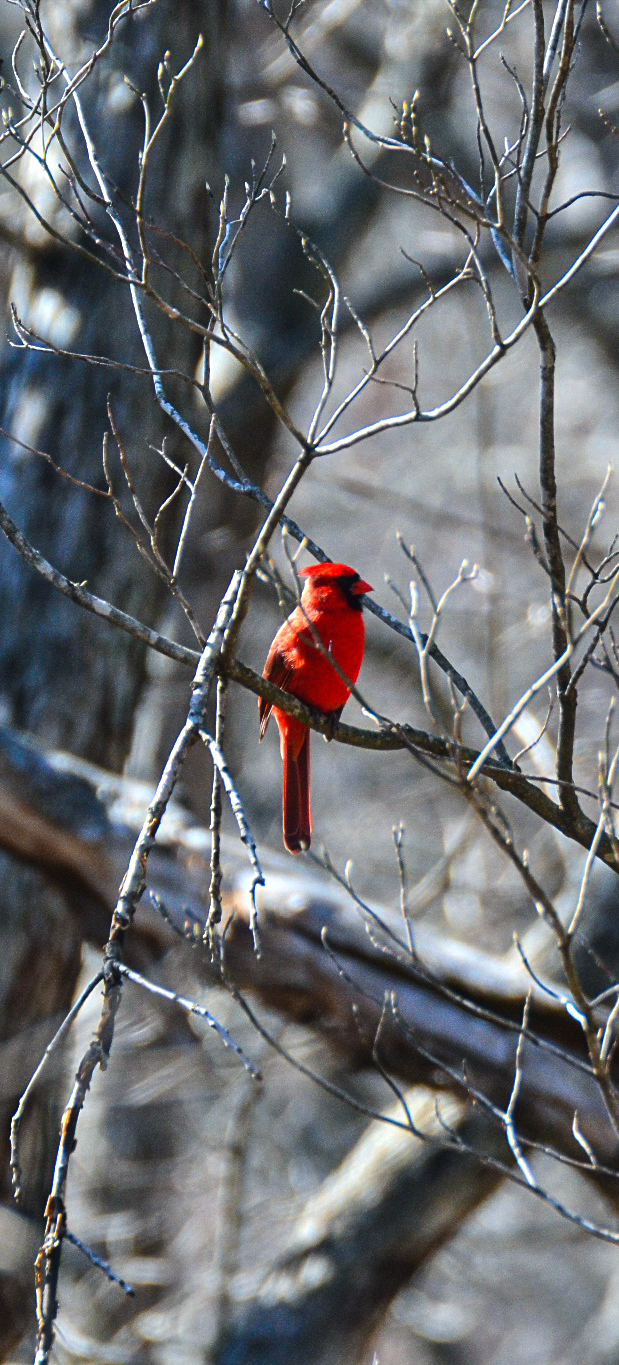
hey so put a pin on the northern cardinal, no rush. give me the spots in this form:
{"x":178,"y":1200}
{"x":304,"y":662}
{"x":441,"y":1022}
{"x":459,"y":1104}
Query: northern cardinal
{"x":330,"y":606}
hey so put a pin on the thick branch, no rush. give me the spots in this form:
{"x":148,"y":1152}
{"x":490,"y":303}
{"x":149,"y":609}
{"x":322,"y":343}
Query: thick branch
{"x":451,"y":1025}
{"x":374,"y":1222}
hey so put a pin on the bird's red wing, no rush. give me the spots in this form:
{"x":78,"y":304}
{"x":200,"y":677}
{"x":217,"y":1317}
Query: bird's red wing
{"x":279,"y":672}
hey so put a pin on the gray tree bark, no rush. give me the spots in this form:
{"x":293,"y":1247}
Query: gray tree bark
{"x":63,"y":677}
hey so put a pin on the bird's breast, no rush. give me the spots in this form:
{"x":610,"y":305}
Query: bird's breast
{"x":314,"y":679}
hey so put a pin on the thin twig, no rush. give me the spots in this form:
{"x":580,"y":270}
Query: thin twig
{"x":52,"y":1047}
{"x":100,"y":1264}
{"x":192,"y":1008}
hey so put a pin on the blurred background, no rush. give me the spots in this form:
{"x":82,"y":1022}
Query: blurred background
{"x":187,"y":1178}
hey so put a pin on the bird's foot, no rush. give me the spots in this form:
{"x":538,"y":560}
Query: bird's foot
{"x":333,"y":720}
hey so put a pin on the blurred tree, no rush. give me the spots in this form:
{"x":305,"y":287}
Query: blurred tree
{"x":442,"y":216}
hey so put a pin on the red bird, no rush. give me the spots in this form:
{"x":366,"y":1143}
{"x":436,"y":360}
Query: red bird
{"x":330,"y":606}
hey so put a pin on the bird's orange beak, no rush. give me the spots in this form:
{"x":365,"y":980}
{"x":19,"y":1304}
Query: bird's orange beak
{"x":359,"y":588}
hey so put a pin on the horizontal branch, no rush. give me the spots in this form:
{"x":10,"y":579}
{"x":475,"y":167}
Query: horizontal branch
{"x":77,"y":593}
{"x":579,"y":828}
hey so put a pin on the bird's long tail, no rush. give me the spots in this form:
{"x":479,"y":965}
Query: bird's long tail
{"x":297,"y":817}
